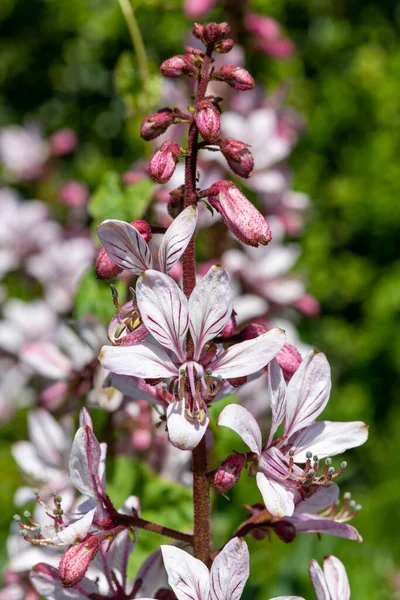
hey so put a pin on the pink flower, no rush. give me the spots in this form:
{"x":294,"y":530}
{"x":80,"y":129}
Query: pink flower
{"x":63,"y":142}
{"x":74,"y":194}
{"x":268,"y":36}
{"x":23,"y":152}
{"x":198,"y":8}
{"x":168,"y":315}
{"x":332,"y":582}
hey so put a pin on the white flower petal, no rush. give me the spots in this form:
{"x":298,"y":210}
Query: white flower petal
{"x":307,"y":392}
{"x":78,"y":530}
{"x":287,"y":598}
{"x":46,"y":359}
{"x":164,"y":310}
{"x":250,"y":356}
{"x":336,"y":578}
{"x":230,"y":571}
{"x":125,"y":246}
{"x":48,"y":437}
{"x":277,"y":499}
{"x":276,"y":393}
{"x":84,"y":461}
{"x":327,"y":438}
{"x":143,"y":360}
{"x":210,"y":306}
{"x":239,"y":419}
{"x":182,"y":433}
{"x":318,"y":581}
{"x":188,"y":576}
{"x":177,"y":238}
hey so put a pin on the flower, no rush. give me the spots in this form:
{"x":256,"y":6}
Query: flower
{"x":296,"y":406}
{"x":168,"y":316}
{"x":332,"y":582}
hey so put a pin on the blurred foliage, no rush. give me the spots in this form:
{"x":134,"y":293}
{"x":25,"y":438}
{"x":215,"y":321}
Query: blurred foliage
{"x":71,"y":64}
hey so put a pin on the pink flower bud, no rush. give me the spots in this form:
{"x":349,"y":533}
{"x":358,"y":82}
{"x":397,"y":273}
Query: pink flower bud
{"x":143,"y":228}
{"x":195,"y":51}
{"x":74,"y":194}
{"x":238,"y":156}
{"x":63,"y":142}
{"x":285,"y":530}
{"x":252,"y":331}
{"x":289,"y":359}
{"x":198,"y":8}
{"x":181,"y":64}
{"x":198,"y":30}
{"x":157,"y":123}
{"x":213,"y":33}
{"x":208,"y":120}
{"x":164,"y":161}
{"x":105,"y":267}
{"x":228,"y":473}
{"x":225,"y":46}
{"x":230,"y":326}
{"x":264,"y":27}
{"x":308,"y":305}
{"x":75,"y":561}
{"x":242,"y":218}
{"x":236,"y":77}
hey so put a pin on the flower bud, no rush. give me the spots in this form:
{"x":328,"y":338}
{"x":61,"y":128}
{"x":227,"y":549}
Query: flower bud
{"x":208,"y":120}
{"x":308,"y":305}
{"x":181,"y":64}
{"x":143,"y":228}
{"x":242,"y":218}
{"x":157,"y":123}
{"x":236,"y":77}
{"x":63,"y":142}
{"x":105,"y":267}
{"x":213,"y":33}
{"x":289,"y":359}
{"x":225,"y":46}
{"x":195,"y":51}
{"x":228,"y":473}
{"x":229,"y":328}
{"x":164,"y":161}
{"x":238,"y":156}
{"x":75,"y":561}
{"x":285,"y":530}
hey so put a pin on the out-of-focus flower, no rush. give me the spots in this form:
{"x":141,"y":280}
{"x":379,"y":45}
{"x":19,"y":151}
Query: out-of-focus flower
{"x":73,"y":194}
{"x":197,"y":8}
{"x":25,"y":322}
{"x":267,"y":36}
{"x":23,"y":152}
{"x":63,"y":142}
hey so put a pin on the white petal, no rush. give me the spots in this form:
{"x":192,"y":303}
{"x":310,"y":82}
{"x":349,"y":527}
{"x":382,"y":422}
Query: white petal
{"x":78,"y":530}
{"x":328,"y":438}
{"x":250,"y":356}
{"x":322,"y":497}
{"x":27,"y":458}
{"x":47,"y":436}
{"x":210,"y":306}
{"x":46,"y":359}
{"x":142,"y":360}
{"x":125,"y":246}
{"x":239,"y":419}
{"x":85,"y":418}
{"x":230,"y":571}
{"x":164,"y":310}
{"x":277,"y":499}
{"x":318,"y":581}
{"x":188,"y":576}
{"x":84,"y":461}
{"x":46,"y":581}
{"x":276,"y":391}
{"x":307,"y":392}
{"x":177,"y":238}
{"x":287,"y":598}
{"x":336,"y":578}
{"x":182,"y":433}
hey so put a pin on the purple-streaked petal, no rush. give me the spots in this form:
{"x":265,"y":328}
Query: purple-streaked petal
{"x":239,"y":419}
{"x":177,"y":238}
{"x":84,"y":462}
{"x":77,"y":531}
{"x":183,"y":433}
{"x":318,"y":581}
{"x":287,"y":598}
{"x":306,"y":523}
{"x":188,"y":576}
{"x":277,"y":499}
{"x":210,"y":306}
{"x":328,"y":438}
{"x":48,"y":437}
{"x":46,"y":359}
{"x":125,"y":246}
{"x":276,"y":391}
{"x":322,"y":497}
{"x":336,"y":578}
{"x":250,"y":356}
{"x":307,"y":392}
{"x":134,"y":388}
{"x":46,"y":581}
{"x":164,"y":310}
{"x":85,"y":418}
{"x":230,"y":571}
{"x":144,"y":360}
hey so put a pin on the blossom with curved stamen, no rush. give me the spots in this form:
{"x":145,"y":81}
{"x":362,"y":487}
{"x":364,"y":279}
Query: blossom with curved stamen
{"x":194,"y":380}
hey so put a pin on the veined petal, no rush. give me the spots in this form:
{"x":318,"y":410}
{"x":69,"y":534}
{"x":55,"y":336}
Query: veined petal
{"x":306,"y":523}
{"x":177,"y":238}
{"x":230,"y":571}
{"x":327,"y":438}
{"x":84,"y":462}
{"x":287,"y":598}
{"x":188,"y":576}
{"x":144,"y":360}
{"x":239,"y":419}
{"x":46,"y":581}
{"x":164,"y":310}
{"x":318,"y":581}
{"x":276,"y":390}
{"x":307,"y":392}
{"x":125,"y":246}
{"x":183,"y":433}
{"x":77,"y":531}
{"x":336,"y":578}
{"x":277,"y":499}
{"x":322,"y":497}
{"x":250,"y":356}
{"x":46,"y":359}
{"x":210,"y":306}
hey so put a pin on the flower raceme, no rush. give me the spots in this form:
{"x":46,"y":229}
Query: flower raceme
{"x":194,"y":375}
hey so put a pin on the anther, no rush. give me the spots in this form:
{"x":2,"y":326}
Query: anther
{"x":331,"y":470}
{"x":16,"y":518}
{"x":208,"y":372}
{"x":347,"y":496}
{"x":311,"y":473}
{"x":358,"y":507}
{"x":27,"y":514}
{"x":343,"y":465}
{"x":291,"y":452}
{"x":309,"y":455}
{"x":23,"y":532}
{"x":328,"y":461}
{"x":352,"y":503}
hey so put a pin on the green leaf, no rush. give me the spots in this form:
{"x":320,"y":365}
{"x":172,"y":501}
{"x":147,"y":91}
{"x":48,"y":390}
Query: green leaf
{"x":94,"y":297}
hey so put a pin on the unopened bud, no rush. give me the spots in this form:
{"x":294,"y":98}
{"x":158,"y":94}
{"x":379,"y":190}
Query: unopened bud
{"x":208,"y":120}
{"x":213,"y":33}
{"x":157,"y":123}
{"x":182,"y":64}
{"x":289,"y":359}
{"x":238,"y":156}
{"x":75,"y":561}
{"x":229,"y":328}
{"x":225,"y":46}
{"x":228,"y":473}
{"x":236,"y":77}
{"x":105,"y":267}
{"x":143,"y":228}
{"x":242,"y":218}
{"x":164,"y":161}
{"x":285,"y":530}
